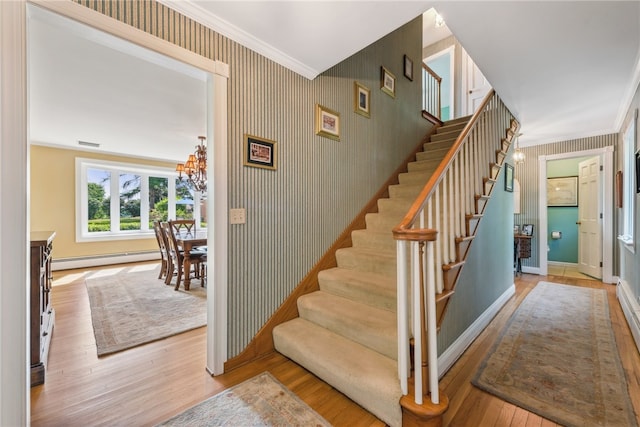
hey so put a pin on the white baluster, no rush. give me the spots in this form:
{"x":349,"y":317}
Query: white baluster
{"x":417,"y":326}
{"x":432,"y":328}
{"x":403,"y":317}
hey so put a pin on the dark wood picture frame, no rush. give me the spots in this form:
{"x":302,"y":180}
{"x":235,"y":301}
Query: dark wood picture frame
{"x":527,"y":230}
{"x":508,"y":178}
{"x":408,"y":67}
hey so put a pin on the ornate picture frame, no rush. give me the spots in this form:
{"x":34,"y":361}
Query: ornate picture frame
{"x":327,"y":123}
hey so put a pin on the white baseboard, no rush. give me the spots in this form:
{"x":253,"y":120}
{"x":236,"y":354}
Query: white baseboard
{"x":455,"y":350}
{"x":563,"y":264}
{"x":96,"y":261}
{"x":630,"y":308}
{"x":531,"y":270}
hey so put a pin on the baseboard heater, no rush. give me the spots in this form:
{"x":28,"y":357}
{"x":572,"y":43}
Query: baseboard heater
{"x":98,"y":260}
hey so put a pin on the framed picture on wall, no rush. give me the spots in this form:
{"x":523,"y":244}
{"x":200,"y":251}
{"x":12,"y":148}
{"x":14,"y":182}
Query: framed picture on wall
{"x":259,"y":152}
{"x":408,"y":68}
{"x":361,"y":99}
{"x":508,"y":178}
{"x":562,"y":191}
{"x":387,"y":82}
{"x":327,"y":123}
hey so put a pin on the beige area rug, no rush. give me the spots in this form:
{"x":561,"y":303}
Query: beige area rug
{"x":259,"y":401}
{"x":557,"y":357}
{"x":130,"y":306}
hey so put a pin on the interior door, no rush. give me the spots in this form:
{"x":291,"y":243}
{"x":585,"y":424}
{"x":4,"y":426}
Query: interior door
{"x":589,"y":218}
{"x":476,"y":86}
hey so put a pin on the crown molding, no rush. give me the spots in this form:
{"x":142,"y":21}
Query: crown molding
{"x":227,"y":29}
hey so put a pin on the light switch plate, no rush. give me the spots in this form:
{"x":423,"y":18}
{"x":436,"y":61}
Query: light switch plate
{"x":237,"y":216}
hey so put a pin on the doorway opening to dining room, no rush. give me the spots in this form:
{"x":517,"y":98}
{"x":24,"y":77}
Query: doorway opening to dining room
{"x":17,"y":18}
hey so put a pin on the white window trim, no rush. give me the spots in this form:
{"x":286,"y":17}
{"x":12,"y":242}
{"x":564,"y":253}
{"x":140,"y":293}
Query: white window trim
{"x":82,"y":212}
{"x":629,"y":207}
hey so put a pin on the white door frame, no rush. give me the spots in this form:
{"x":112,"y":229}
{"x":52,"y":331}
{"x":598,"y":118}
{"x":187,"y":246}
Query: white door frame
{"x":14,"y":172}
{"x":606,"y":155}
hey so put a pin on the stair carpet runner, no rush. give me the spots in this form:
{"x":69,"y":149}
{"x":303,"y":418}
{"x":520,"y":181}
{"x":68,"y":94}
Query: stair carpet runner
{"x":346,"y":333}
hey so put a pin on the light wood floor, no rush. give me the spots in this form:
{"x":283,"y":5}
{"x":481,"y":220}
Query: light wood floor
{"x":148,"y":384}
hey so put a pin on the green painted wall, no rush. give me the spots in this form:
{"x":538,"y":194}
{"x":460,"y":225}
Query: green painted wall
{"x":488,"y":270}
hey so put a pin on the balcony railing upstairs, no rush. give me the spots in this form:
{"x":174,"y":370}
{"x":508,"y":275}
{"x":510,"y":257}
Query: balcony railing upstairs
{"x":441,"y":217}
{"x":431,"y":93}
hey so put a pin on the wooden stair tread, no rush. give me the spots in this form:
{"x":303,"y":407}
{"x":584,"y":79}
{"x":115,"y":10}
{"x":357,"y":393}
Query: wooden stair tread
{"x":452,"y":265}
{"x":444,"y":295}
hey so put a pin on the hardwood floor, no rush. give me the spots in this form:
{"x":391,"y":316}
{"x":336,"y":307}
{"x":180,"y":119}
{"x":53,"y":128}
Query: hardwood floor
{"x":148,"y":384}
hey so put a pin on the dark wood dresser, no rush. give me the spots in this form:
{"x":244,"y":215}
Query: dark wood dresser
{"x":42,"y":313}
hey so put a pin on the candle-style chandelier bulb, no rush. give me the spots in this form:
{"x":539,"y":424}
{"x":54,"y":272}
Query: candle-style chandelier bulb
{"x":195,"y":168}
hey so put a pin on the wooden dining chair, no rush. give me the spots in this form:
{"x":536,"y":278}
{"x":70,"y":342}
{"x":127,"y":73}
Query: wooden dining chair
{"x":162,"y":245}
{"x":177,"y":258}
{"x":180,"y":226}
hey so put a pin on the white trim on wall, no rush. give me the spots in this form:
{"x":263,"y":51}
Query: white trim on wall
{"x":606,"y":155}
{"x":630,"y":308}
{"x":14,"y":217}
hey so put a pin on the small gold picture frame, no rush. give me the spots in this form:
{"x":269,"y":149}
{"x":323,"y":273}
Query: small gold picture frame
{"x":327,"y":123}
{"x":361,"y":100}
{"x":387,"y":82}
{"x":259,"y":152}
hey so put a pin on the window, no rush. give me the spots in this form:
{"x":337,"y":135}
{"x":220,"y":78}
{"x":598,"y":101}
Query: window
{"x":121,"y":201}
{"x":628,"y":184}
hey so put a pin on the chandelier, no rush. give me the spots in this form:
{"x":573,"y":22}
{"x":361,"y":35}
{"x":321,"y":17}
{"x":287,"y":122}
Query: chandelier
{"x":518,"y":155}
{"x":195,"y":168}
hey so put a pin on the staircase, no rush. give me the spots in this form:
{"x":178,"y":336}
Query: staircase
{"x":347,"y":331}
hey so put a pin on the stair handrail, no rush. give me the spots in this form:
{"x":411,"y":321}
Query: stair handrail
{"x":432,"y":93}
{"x":462,"y":169}
{"x":404,"y":230}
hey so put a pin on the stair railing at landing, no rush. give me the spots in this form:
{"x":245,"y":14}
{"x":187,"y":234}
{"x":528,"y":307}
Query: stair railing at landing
{"x":431,"y":93}
{"x":426,"y":240}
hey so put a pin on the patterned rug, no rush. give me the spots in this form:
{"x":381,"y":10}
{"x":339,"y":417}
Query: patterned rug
{"x":259,"y":401}
{"x":557,"y":357}
{"x":130,"y":306}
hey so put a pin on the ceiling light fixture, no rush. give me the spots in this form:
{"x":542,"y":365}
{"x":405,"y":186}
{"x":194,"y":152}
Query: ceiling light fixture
{"x":439,"y":21}
{"x":195,"y":168}
{"x":518,"y":156}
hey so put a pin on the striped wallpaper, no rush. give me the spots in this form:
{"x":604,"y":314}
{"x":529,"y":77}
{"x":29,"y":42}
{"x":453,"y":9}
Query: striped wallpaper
{"x":296,"y":212}
{"x":527,"y":175}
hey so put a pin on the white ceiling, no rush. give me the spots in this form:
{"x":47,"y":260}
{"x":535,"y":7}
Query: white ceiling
{"x":566,"y":69}
{"x":87,"y":86}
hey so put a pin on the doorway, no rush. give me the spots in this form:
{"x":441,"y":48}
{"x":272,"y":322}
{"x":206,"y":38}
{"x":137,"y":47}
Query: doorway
{"x":15,"y":227}
{"x":553,"y":216}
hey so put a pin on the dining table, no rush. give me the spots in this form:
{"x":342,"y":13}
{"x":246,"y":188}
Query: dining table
{"x":187,"y":241}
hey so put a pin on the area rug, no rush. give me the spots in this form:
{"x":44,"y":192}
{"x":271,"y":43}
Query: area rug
{"x":557,"y":357}
{"x":259,"y":401}
{"x":131,"y":306}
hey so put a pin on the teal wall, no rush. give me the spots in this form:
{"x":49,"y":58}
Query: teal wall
{"x":488,"y":269}
{"x":563,"y":219}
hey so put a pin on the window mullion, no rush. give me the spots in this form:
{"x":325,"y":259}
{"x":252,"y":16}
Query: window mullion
{"x":115,"y":201}
{"x":144,"y":202}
